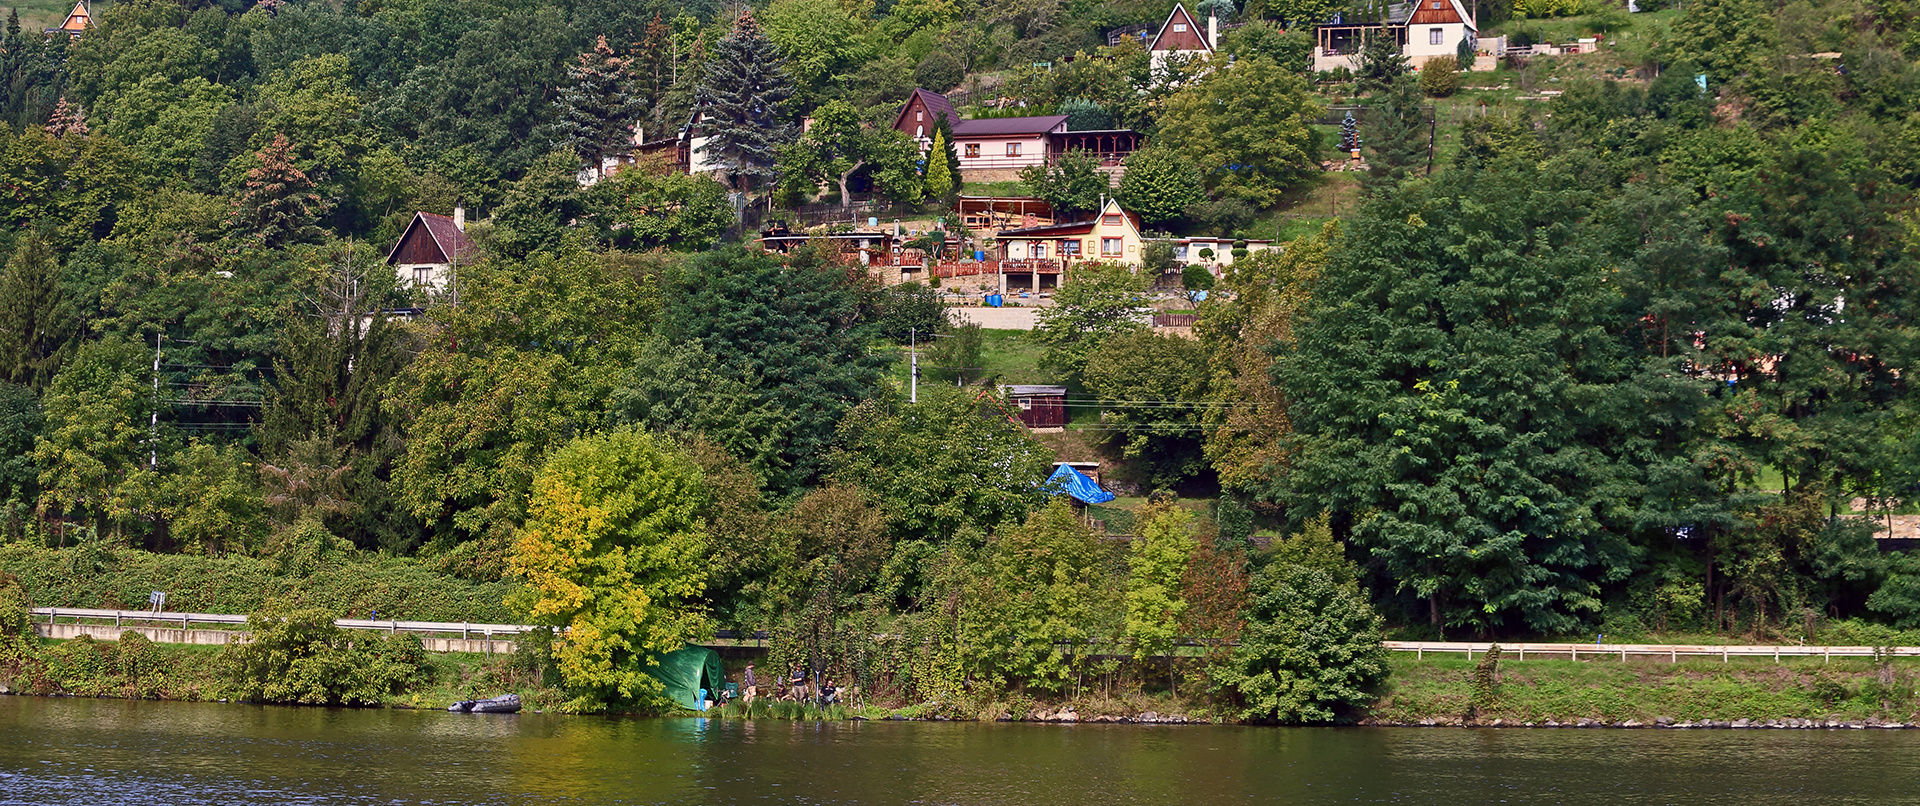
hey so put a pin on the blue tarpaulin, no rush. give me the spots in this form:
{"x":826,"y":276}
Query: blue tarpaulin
{"x":1076,"y":484}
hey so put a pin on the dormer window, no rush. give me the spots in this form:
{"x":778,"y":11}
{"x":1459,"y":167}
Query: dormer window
{"x":1179,"y":27}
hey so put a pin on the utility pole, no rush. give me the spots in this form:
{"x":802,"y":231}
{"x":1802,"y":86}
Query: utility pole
{"x":913,"y":380}
{"x":153,"y":422}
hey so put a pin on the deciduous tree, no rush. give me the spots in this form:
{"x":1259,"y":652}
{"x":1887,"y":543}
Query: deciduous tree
{"x":614,"y":552}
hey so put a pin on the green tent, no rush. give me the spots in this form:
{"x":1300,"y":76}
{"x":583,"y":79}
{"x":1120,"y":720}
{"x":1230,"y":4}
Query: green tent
{"x":686,"y":670}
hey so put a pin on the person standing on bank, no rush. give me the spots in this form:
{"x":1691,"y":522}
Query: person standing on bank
{"x":748,"y":684}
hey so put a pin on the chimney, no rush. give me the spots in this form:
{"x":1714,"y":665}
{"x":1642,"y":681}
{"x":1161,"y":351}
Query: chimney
{"x":1213,"y":28}
{"x":460,"y":218}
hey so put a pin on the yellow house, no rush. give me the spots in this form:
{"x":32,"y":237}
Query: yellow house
{"x":1036,"y":257}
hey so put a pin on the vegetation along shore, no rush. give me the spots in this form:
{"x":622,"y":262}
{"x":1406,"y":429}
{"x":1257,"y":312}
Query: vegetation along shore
{"x":1020,"y":359}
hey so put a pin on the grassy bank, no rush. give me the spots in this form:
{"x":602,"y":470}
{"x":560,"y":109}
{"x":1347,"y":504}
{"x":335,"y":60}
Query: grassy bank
{"x":350,"y":585}
{"x":1608,"y":691}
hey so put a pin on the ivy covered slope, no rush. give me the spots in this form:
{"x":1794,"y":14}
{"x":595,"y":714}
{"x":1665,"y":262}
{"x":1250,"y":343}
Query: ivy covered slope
{"x":1615,"y":341}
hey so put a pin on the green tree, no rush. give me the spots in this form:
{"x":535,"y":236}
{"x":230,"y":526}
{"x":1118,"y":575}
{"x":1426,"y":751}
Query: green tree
{"x":1310,"y":652}
{"x":1380,"y":63}
{"x":1440,"y":77}
{"x":20,"y":423}
{"x":911,"y":309}
{"x":1072,"y":184}
{"x":743,"y":99}
{"x":1291,"y":49}
{"x":762,"y":356}
{"x":211,"y":500}
{"x":816,"y":39}
{"x":1095,"y":302}
{"x":836,"y":147}
{"x":37,"y":324}
{"x":300,"y":657}
{"x":614,"y":552}
{"x":648,"y":206}
{"x":1403,"y":441}
{"x":541,"y":207}
{"x":1728,"y":38}
{"x":514,"y":371}
{"x":1153,"y":391}
{"x":1247,"y":129}
{"x":940,"y":175}
{"x":1396,"y":135}
{"x":95,"y":437}
{"x":1197,"y":280}
{"x":1035,"y":602}
{"x":1157,"y":558}
{"x":941,"y":465}
{"x":1159,"y":185}
{"x":598,"y":107}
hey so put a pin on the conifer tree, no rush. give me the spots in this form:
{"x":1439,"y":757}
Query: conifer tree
{"x":276,"y":203}
{"x":939,"y":174}
{"x":742,"y":96}
{"x":36,"y":332}
{"x":67,"y":119}
{"x":1399,"y":141}
{"x":598,"y":106}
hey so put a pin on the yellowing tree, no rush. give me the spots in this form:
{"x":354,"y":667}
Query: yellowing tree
{"x":613,"y":554}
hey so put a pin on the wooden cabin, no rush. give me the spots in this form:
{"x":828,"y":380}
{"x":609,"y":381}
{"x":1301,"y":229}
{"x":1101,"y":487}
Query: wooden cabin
{"x":1040,"y":406}
{"x":429,"y":249}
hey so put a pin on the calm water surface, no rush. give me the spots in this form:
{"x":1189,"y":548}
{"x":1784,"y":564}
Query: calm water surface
{"x":68,"y":751}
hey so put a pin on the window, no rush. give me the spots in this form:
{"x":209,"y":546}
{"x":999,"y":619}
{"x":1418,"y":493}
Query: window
{"x":1179,"y":27}
{"x":1039,"y":251}
{"x":1110,"y":220}
{"x":1013,"y":149}
{"x":1436,"y":5}
{"x":920,"y":115}
{"x":972,"y":150}
{"x":1433,"y":36}
{"x":1109,"y":246}
{"x":1026,"y":403}
{"x":1180,"y":252}
{"x":1069,"y":248}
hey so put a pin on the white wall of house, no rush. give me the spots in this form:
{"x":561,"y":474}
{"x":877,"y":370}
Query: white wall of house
{"x":995,"y":152}
{"x":1426,"y":41}
{"x":432,"y":276}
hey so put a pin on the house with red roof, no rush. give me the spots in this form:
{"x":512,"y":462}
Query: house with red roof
{"x":430,"y":248}
{"x":77,"y":22}
{"x":996,"y":149}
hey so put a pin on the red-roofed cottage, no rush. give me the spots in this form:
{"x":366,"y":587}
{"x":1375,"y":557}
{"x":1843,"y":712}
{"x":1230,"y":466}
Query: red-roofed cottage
{"x":430,"y":248}
{"x":995,"y":149}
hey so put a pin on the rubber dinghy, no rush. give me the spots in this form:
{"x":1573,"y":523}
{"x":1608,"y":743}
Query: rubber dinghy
{"x":503,"y":704}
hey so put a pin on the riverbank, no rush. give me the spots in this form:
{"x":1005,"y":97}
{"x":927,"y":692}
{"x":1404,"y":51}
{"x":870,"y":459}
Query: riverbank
{"x":1791,"y":693}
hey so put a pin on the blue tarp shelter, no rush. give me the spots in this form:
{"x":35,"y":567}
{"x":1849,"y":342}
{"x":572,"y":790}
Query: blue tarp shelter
{"x":1076,"y":484}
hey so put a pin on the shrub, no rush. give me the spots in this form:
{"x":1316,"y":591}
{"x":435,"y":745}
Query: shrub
{"x":939,"y":71}
{"x":300,"y":657}
{"x":1311,"y":651}
{"x":1441,"y":77}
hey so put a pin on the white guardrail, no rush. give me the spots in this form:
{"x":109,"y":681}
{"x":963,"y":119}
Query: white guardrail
{"x":465,"y":629}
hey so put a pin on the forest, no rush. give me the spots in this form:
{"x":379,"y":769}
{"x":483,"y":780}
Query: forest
{"x":1615,"y":344}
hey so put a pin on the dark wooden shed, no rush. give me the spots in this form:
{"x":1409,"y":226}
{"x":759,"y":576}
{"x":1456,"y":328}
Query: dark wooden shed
{"x":1040,"y":406}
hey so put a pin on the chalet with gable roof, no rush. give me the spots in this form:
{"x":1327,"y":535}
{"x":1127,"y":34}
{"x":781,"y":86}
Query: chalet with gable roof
{"x":996,"y":149}
{"x":77,"y":22}
{"x":430,"y":248}
{"x":1424,"y":29}
{"x":1181,"y":37}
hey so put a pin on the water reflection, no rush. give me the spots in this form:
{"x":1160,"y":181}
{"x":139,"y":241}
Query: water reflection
{"x":66,"y":751}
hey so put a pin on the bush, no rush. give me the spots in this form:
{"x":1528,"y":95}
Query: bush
{"x":939,"y":71}
{"x":1220,"y":217}
{"x":1311,"y":651}
{"x":96,"y":575}
{"x":1441,"y":77}
{"x":300,"y":657}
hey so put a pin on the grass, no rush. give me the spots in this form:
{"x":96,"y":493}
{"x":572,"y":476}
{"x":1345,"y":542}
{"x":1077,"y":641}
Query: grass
{"x":1646,"y":689}
{"x":39,"y":15}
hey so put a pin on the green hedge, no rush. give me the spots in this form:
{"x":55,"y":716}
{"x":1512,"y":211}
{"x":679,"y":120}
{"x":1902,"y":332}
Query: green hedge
{"x":122,"y":578}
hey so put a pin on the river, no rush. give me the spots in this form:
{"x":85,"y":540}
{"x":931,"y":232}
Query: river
{"x":76,"y":751}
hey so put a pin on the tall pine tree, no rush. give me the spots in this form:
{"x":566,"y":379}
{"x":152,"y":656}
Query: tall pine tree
{"x":36,"y":327}
{"x":939,"y":174}
{"x":742,"y":95}
{"x":598,"y":105}
{"x":1398,"y":129}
